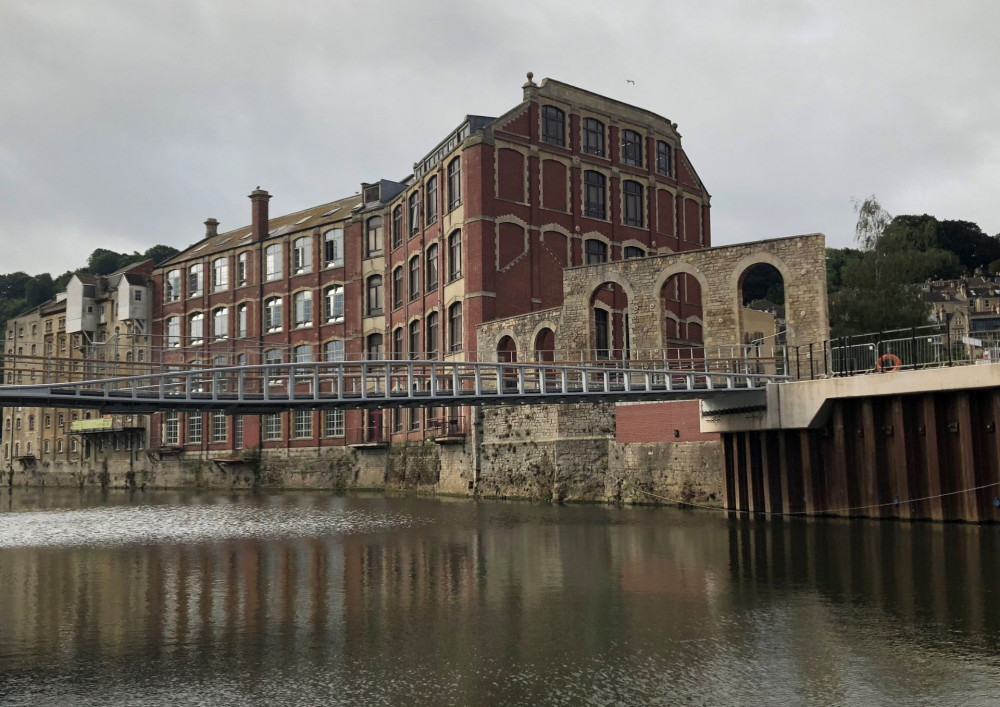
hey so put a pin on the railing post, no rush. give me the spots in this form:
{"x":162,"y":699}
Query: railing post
{"x":948,"y":335}
{"x":826,"y":363}
{"x":810,"y":361}
{"x":913,"y":345}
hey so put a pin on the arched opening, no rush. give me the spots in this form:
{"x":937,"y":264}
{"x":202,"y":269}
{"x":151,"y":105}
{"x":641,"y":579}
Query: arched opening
{"x":762,"y":306}
{"x":682,"y":316}
{"x":610,"y":335}
{"x":545,"y":345}
{"x":506,"y":350}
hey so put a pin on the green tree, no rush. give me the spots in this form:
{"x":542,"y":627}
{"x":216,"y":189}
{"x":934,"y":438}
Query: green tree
{"x":160,"y":253}
{"x":878,"y":289}
{"x":103,"y":261}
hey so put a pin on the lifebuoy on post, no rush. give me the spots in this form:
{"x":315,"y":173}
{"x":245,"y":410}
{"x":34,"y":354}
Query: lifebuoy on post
{"x":888,"y":363}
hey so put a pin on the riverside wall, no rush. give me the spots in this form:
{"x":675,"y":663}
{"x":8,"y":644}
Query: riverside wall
{"x":545,"y":452}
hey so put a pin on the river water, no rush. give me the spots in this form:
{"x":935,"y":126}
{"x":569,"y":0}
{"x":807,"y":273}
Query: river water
{"x":186,"y":598}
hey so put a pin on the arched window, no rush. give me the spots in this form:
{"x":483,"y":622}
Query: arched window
{"x":633,"y":212}
{"x":553,"y":126}
{"x":196,"y":328}
{"x":431,"y":200}
{"x":173,"y":331}
{"x":374,"y":348}
{"x":333,"y":351}
{"x":172,"y":286}
{"x":373,"y":244}
{"x":455,"y":255}
{"x":374,"y":295}
{"x":414,"y":279}
{"x":220,"y":323}
{"x":454,"y":183}
{"x":431,"y":339}
{"x":631,"y":148}
{"x":414,"y":212}
{"x":397,"y":226}
{"x":333,"y":304}
{"x":272,"y":314}
{"x":31,"y":422}
{"x":397,"y":343}
{"x":664,"y":162}
{"x":220,"y":274}
{"x":593,"y":137}
{"x":594,"y":195}
{"x":302,"y":306}
{"x":414,"y":336}
{"x":632,"y":251}
{"x":241,"y":268}
{"x":455,"y":327}
{"x":272,"y":262}
{"x":196,"y":279}
{"x":431,"y":268}
{"x":302,"y":255}
{"x":333,"y":248}
{"x":596,"y":251}
{"x":397,"y":286}
{"x":241,"y":321}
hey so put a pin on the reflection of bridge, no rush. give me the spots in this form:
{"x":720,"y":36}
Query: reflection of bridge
{"x":379,"y":384}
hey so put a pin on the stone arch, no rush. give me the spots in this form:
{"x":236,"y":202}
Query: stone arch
{"x":610,"y":321}
{"x":543,"y":341}
{"x":688,"y":336}
{"x":737,"y":275}
{"x":508,"y":334}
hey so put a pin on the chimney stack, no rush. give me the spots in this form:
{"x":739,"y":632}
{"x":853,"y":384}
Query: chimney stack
{"x":211,"y":228}
{"x":258,"y":206}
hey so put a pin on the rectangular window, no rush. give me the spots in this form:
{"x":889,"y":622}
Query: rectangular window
{"x":454,"y":183}
{"x":272,"y":262}
{"x":663,"y":159}
{"x":334,"y":304}
{"x":397,"y":226}
{"x":593,"y":137}
{"x":333,"y":423}
{"x":219,"y":428}
{"x":553,"y":126}
{"x":194,"y":428}
{"x":241,"y":269}
{"x":333,"y":248}
{"x":238,"y":431}
{"x":431,"y":207}
{"x":601,"y":333}
{"x":303,"y":424}
{"x":414,"y":336}
{"x":196,"y":280}
{"x":455,"y":256}
{"x":414,"y":213}
{"x":171,"y":428}
{"x":220,"y":274}
{"x":241,"y":321}
{"x":272,"y":314}
{"x":432,"y":267}
{"x":272,"y":426}
{"x":220,"y":323}
{"x":455,"y":327}
{"x":303,"y":303}
{"x":302,"y":255}
{"x":633,"y":204}
{"x":631,"y":148}
{"x":397,"y":287}
{"x":414,"y":277}
{"x":594,"y":202}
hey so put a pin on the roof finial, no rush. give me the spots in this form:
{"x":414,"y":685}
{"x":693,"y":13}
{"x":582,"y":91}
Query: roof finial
{"x":530,"y":76}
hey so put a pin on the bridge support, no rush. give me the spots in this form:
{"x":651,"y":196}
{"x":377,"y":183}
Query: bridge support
{"x":928,"y":455}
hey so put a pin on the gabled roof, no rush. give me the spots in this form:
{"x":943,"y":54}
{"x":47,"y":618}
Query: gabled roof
{"x":278,"y":226}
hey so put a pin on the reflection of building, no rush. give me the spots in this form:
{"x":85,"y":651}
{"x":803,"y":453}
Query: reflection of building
{"x":482,"y":229}
{"x":98,"y":328}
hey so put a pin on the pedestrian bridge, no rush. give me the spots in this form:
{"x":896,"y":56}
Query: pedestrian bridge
{"x":383,"y":384}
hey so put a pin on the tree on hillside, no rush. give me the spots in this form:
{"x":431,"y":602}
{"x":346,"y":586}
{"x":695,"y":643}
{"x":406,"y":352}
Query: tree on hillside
{"x":879,"y":288}
{"x":160,"y":253}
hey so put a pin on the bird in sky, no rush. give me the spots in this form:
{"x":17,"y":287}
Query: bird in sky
{"x":630,"y":81}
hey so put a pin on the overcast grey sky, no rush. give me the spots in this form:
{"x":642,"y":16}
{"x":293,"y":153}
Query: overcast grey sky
{"x":126,"y":123}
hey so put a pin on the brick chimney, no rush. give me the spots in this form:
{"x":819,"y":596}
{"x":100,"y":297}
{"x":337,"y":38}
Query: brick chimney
{"x":258,"y":207}
{"x":211,"y":228}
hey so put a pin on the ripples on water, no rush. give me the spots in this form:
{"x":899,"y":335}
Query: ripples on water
{"x":298,"y":599}
{"x":185,"y":524}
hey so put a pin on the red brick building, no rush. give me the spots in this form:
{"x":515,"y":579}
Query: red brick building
{"x":480,"y":230}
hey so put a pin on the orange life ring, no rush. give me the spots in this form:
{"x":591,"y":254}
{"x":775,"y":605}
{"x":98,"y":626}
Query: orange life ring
{"x":888,"y":363}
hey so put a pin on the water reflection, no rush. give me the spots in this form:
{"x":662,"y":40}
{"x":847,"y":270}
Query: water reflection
{"x":299,"y":598}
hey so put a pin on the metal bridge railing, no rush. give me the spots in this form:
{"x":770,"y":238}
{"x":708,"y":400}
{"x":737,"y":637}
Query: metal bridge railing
{"x":394,"y":383}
